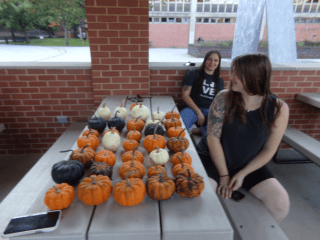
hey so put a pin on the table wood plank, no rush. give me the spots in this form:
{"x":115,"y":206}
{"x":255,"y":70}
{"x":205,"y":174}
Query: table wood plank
{"x":113,"y":221}
{"x":202,"y":217}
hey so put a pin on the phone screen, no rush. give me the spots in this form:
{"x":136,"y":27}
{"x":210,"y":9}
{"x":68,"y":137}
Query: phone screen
{"x":33,"y":222}
{"x":237,"y":196}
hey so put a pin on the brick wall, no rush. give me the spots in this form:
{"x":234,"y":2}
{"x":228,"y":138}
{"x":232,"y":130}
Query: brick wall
{"x":284,"y":84}
{"x":119,"y":44}
{"x":30,"y":100}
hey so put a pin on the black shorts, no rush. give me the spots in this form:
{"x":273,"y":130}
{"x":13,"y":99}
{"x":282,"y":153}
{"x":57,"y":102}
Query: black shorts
{"x":84,"y":39}
{"x":249,"y":181}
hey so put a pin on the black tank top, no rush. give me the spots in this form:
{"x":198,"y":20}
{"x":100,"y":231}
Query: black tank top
{"x":241,"y":143}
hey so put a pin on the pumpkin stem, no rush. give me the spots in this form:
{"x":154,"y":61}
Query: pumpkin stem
{"x":132,"y":165}
{"x":57,"y":189}
{"x":181,"y":132}
{"x":182,"y":151}
{"x":115,"y":115}
{"x":71,"y":155}
{"x":130,"y":136}
{"x":104,"y":105}
{"x":128,"y":183}
{"x":189,"y":174}
{"x":180,"y":161}
{"x":152,"y":117}
{"x":173,"y":108}
{"x":122,"y":103}
{"x":134,"y":129}
{"x":157,"y":149}
{"x":140,"y":105}
{"x":94,"y":179}
{"x":137,"y":118}
{"x":155,"y":130}
{"x":158,"y":110}
{"x":134,"y":150}
{"x":112,"y":130}
{"x":161,"y":174}
{"x":82,"y":150}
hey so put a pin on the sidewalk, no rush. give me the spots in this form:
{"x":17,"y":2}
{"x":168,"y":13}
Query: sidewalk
{"x":14,"y":53}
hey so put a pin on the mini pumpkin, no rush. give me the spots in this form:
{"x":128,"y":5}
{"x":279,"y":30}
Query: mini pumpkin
{"x":134,"y":134}
{"x":151,"y":142}
{"x":100,"y":168}
{"x":185,"y":157}
{"x":176,"y":144}
{"x":97,"y":123}
{"x":111,"y":141}
{"x":159,"y":156}
{"x":172,"y":113}
{"x":117,"y":122}
{"x":152,"y":120}
{"x":129,"y":192}
{"x":89,"y":139}
{"x":135,"y":124}
{"x":59,"y":196}
{"x":138,"y":156}
{"x":130,"y":144}
{"x":95,"y":190}
{"x":109,"y":130}
{"x":158,"y":115}
{"x":181,"y":168}
{"x":91,"y":132}
{"x":106,"y":156}
{"x":130,"y":166}
{"x":83,"y":155}
{"x":155,"y":170}
{"x":149,"y":130}
{"x":140,"y":110}
{"x":189,"y":186}
{"x":123,"y":113}
{"x":160,"y":187}
{"x":104,"y":112}
{"x":174,"y":131}
{"x":67,"y":171}
{"x":172,"y":122}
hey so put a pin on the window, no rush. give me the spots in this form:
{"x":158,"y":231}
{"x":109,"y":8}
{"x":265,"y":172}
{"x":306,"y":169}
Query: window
{"x":199,"y":20}
{"x":163,"y":19}
{"x":178,"y":20}
{"x":227,"y":20}
{"x":310,"y":20}
{"x":213,"y":20}
{"x":156,"y":19}
{"x":206,"y":20}
{"x":171,"y":20}
{"x":150,"y":19}
{"x":303,"y":20}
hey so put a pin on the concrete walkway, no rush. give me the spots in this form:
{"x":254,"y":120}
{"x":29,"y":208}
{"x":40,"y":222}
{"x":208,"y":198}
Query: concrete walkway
{"x":16,"y":53}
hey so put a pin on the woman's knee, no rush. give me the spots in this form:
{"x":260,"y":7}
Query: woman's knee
{"x":188,"y":116}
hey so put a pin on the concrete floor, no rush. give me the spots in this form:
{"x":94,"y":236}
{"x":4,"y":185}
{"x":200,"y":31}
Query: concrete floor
{"x":302,"y":181}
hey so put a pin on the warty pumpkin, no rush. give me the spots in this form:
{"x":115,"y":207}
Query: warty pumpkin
{"x":134,"y":134}
{"x":185,"y":157}
{"x":91,"y":132}
{"x":172,"y":122}
{"x":155,"y":170}
{"x":83,"y":155}
{"x":190,"y":186}
{"x":106,"y":156}
{"x":151,"y":142}
{"x":130,"y":144}
{"x":159,"y":156}
{"x":174,"y":131}
{"x":130,"y":166}
{"x":104,"y":112}
{"x":95,"y":190}
{"x":138,"y":156}
{"x":59,"y":196}
{"x":176,"y":144}
{"x":136,"y":124}
{"x":100,"y":168}
{"x":89,"y":139}
{"x":181,"y":168}
{"x":123,"y":113}
{"x":129,"y":192}
{"x":172,"y":113}
{"x":160,"y":187}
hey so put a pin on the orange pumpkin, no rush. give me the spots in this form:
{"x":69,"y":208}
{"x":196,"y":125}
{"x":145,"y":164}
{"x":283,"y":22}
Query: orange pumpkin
{"x":138,"y":156}
{"x":136,"y":124}
{"x":130,"y":144}
{"x":174,"y":131}
{"x":160,"y":187}
{"x":133,"y":165}
{"x":129,"y":192}
{"x":181,"y":168}
{"x":172,"y":122}
{"x":176,"y":144}
{"x":155,"y":170}
{"x":185,"y":157}
{"x":106,"y":156}
{"x":151,"y":142}
{"x":89,"y":139}
{"x":83,"y":155}
{"x":172,"y":113}
{"x":95,"y":190}
{"x":91,"y":132}
{"x":109,"y":130}
{"x":190,"y":186}
{"x":59,"y":196}
{"x":136,"y":135}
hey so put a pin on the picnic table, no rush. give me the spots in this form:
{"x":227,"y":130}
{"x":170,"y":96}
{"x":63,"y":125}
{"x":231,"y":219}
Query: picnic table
{"x":202,"y":217}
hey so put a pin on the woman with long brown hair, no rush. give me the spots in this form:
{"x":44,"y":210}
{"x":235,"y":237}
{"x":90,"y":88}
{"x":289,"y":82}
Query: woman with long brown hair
{"x":245,"y":127}
{"x":199,"y":87}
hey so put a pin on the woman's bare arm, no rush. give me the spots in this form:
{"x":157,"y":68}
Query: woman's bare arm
{"x":186,"y":90}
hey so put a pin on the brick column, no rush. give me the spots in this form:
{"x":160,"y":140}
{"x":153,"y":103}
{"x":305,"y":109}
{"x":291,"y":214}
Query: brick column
{"x":118,"y":31}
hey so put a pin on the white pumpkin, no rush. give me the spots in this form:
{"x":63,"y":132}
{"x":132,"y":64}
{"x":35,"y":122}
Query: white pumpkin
{"x":123,"y":113}
{"x":104,"y":112}
{"x":159,"y":156}
{"x":111,"y":141}
{"x":158,"y":115}
{"x":154,"y":121}
{"x":140,"y":110}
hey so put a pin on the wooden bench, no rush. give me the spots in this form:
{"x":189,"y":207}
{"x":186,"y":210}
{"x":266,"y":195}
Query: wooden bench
{"x":249,"y":217}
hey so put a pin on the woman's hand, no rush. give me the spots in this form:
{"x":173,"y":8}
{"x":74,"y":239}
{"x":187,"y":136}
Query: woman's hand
{"x":201,"y":119}
{"x":223,"y":189}
{"x":236,"y":181}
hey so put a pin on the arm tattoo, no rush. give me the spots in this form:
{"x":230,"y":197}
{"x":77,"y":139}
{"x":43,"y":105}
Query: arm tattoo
{"x":186,"y":87}
{"x":216,"y":116}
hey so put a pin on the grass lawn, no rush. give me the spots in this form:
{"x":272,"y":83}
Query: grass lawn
{"x":53,"y":42}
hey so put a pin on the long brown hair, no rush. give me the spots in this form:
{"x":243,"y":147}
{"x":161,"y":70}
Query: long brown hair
{"x":216,"y":72}
{"x":254,"y":71}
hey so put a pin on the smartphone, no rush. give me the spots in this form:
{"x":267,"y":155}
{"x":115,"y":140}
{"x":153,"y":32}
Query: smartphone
{"x":237,"y":196}
{"x":33,"y":223}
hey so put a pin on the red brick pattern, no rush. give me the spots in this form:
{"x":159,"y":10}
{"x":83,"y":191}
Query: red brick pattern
{"x":119,"y":43}
{"x":31,"y":99}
